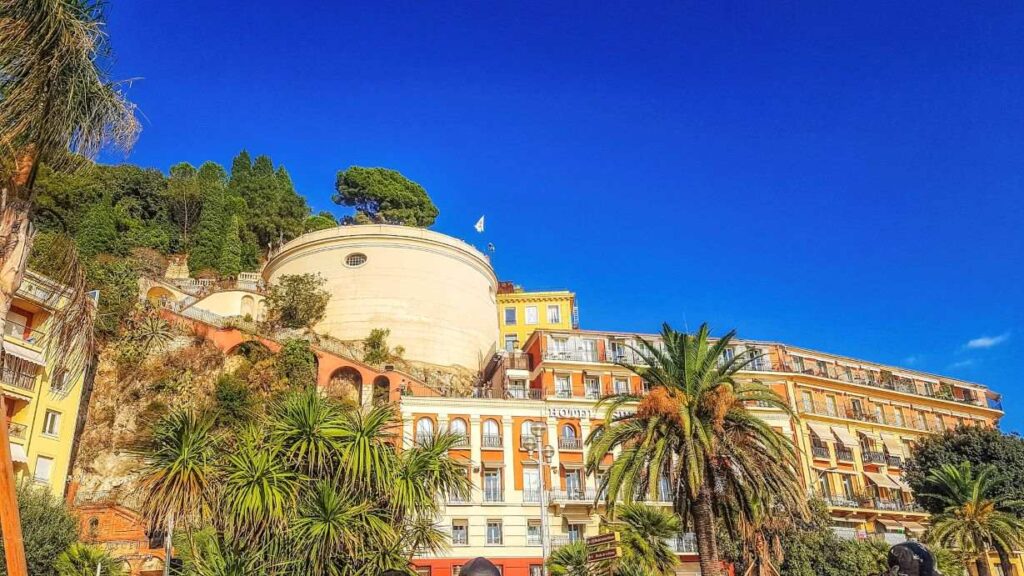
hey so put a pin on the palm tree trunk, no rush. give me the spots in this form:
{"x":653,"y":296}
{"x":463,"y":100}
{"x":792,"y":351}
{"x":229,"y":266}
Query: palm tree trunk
{"x":15,"y":242}
{"x":169,"y":544}
{"x":1004,"y":561}
{"x":972,"y":568}
{"x":983,"y":569}
{"x":704,"y":526}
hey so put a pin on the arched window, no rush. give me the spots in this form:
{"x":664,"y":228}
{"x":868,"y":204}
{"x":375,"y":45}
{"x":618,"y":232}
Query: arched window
{"x":424,"y":429}
{"x":457,"y":426}
{"x":491,"y":428}
{"x":568,"y":431}
{"x":526,"y":429}
{"x":355,"y":260}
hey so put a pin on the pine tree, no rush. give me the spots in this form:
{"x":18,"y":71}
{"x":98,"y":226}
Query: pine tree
{"x":97,"y":232}
{"x":214,"y":220}
{"x":241,"y":166}
{"x":230,"y":262}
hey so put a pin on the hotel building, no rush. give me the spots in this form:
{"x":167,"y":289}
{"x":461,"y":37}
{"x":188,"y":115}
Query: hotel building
{"x":42,"y":404}
{"x":856,"y":421}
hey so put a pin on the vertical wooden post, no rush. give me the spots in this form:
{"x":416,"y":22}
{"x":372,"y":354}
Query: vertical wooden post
{"x":10,"y":519}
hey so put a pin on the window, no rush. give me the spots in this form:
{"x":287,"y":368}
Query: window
{"x":848,"y":372}
{"x":622,"y":386}
{"x":798,"y":364}
{"x":899,"y":417}
{"x":490,"y":428}
{"x":574,"y":483}
{"x":921,"y":424}
{"x":531,"y":314}
{"x":526,"y":429}
{"x":808,"y":401}
{"x":563,"y":388}
{"x":531,"y":485}
{"x":568,"y":432}
{"x":830,"y":405}
{"x":533,"y":537}
{"x":457,"y":426}
{"x":355,"y":259}
{"x":511,"y":340}
{"x":460,"y":533}
{"x":51,"y":423}
{"x":848,"y":490}
{"x":879,"y":417}
{"x":492,"y":486}
{"x":494,"y":532}
{"x":423,"y":571}
{"x":554,"y":314}
{"x":856,"y":408}
{"x":575,"y":532}
{"x":593,"y":387}
{"x":60,"y":381}
{"x":728,"y":354}
{"x":822,"y":368}
{"x":823,"y":486}
{"x":424,"y":430}
{"x":44,"y":467}
{"x":510,"y":316}
{"x":536,"y":570}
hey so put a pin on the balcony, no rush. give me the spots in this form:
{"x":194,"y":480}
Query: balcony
{"x":520,"y":393}
{"x":491,"y":441}
{"x":576,"y":495}
{"x":842,"y":501}
{"x":894,"y":461}
{"x":14,"y":375}
{"x":531,"y":496}
{"x":23,"y":334}
{"x":562,"y":540}
{"x":459,"y":499}
{"x":563,"y":392}
{"x":821,"y":452}
{"x":683,"y":544}
{"x":517,"y":361}
{"x":567,"y":443}
{"x":533,"y":540}
{"x":15,"y":430}
{"x":493,"y":495}
{"x":462,"y":441}
{"x":871,"y":457}
{"x":593,"y":393}
{"x":571,"y":355}
{"x":844,"y":454}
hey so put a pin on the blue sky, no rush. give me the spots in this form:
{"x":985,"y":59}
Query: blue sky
{"x":842,"y":176}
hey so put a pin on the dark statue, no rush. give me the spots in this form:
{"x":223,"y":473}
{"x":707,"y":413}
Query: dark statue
{"x":479,"y":567}
{"x":911,"y":559}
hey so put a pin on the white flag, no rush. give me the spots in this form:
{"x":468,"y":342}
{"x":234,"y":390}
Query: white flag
{"x":479,"y":225}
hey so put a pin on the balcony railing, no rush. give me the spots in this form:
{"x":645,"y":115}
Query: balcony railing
{"x":572,"y":355}
{"x":531,"y":496}
{"x":491,"y":441}
{"x":683,"y":544}
{"x":894,"y":461}
{"x":16,"y":430}
{"x":533,"y":540}
{"x":566,"y":443}
{"x":872,"y":457}
{"x":820,"y":452}
{"x":459,"y":499}
{"x":844,"y":454}
{"x":520,"y":393}
{"x":12,"y":376}
{"x":562,"y":540}
{"x":493,"y":495}
{"x":23,"y":333}
{"x":577,"y":495}
{"x":842,"y":501}
{"x":563,"y":392}
{"x":461,"y":441}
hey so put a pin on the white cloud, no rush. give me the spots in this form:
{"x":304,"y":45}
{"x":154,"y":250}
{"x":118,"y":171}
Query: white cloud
{"x":963,"y":363}
{"x":987,"y":341}
{"x":911,"y":360}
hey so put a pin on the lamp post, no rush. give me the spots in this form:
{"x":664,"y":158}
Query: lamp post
{"x":542,"y":456}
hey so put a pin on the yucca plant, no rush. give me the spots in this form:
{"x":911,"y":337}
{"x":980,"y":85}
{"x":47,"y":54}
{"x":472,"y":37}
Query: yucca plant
{"x":84,"y":560}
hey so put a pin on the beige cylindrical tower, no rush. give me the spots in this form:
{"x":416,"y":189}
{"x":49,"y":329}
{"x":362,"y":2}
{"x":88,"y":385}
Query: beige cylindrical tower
{"x":435,"y":293}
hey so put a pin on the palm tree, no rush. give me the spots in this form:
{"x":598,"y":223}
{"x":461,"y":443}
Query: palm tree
{"x":972,"y":520}
{"x":692,"y":428}
{"x":178,"y":473}
{"x":644,"y":531}
{"x":57,"y":105}
{"x":569,"y":560}
{"x":83,"y":560}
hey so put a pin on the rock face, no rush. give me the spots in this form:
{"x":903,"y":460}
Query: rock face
{"x":130,"y":391}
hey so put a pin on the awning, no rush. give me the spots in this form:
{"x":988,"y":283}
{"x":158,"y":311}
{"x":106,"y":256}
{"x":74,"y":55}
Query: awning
{"x":822,"y":431}
{"x":494,"y":464}
{"x":572,"y":516}
{"x":845,"y":437}
{"x":916,"y":527}
{"x":25,"y":354}
{"x":834,"y":470}
{"x":899,"y":482}
{"x":892,"y":444}
{"x":573,"y":465}
{"x":881,"y":480}
{"x":18,"y":453}
{"x":890,"y":524}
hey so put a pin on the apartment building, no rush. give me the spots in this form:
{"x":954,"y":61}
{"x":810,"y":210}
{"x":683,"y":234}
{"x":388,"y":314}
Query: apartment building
{"x":520,"y":313}
{"x":857,"y":424}
{"x":42,"y":405}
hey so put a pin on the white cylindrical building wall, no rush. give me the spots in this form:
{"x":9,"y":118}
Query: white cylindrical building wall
{"x":435,"y":293}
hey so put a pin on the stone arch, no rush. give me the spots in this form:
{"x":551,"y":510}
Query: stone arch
{"x":248,"y":307}
{"x":381,"y":390}
{"x":159,"y":294}
{"x":252,"y":350}
{"x":261,"y":310}
{"x":346,"y":383}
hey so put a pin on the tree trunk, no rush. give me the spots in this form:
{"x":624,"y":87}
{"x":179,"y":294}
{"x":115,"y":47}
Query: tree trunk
{"x":1004,"y":562}
{"x":704,"y":527}
{"x":169,"y":545}
{"x":15,"y":242}
{"x":972,"y":568}
{"x":983,"y":569}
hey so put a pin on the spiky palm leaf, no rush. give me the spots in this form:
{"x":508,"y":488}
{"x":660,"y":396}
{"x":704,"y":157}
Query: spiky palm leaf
{"x":693,"y":428}
{"x":644,"y":530}
{"x":569,"y":560}
{"x":259,"y":489}
{"x":178,"y":471}
{"x":82,"y":560}
{"x":309,"y":428}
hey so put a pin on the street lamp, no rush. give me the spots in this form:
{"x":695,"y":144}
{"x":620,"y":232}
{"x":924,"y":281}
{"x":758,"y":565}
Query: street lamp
{"x":542,"y":456}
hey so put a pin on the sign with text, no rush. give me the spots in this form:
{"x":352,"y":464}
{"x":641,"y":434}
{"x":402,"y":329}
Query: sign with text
{"x":609,"y":554}
{"x":608,"y":538}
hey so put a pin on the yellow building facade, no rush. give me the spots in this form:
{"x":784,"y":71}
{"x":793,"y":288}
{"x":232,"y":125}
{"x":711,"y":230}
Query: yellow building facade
{"x":520,"y":313}
{"x":42,"y":405}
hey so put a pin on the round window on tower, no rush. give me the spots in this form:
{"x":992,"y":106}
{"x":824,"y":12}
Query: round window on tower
{"x":355,"y":259}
